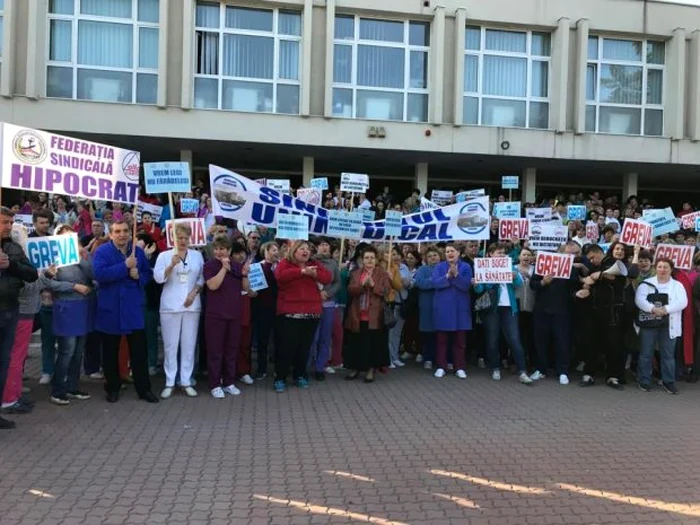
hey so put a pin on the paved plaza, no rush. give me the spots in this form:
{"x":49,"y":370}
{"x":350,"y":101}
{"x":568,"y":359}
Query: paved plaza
{"x":408,"y":449}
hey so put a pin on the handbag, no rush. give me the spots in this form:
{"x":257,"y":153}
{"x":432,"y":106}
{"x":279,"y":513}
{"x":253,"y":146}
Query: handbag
{"x":389,"y":316}
{"x":486,"y":301}
{"x":648,"y":319}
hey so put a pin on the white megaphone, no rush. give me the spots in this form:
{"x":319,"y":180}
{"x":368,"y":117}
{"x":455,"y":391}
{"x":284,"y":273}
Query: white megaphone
{"x":616,"y":269}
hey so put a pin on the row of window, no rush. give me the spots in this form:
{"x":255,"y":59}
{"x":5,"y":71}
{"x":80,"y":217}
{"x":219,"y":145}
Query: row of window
{"x":250,"y":60}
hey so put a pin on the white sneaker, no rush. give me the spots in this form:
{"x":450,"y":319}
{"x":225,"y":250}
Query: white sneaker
{"x":405,"y":356}
{"x":419,"y":358}
{"x":428,"y":365}
{"x":191,"y":392}
{"x":525,"y":379}
{"x":329,"y":370}
{"x":496,"y":375}
{"x":167,"y":392}
{"x":461,"y":374}
{"x":399,"y":363}
{"x":481,"y":363}
{"x":231,"y":390}
{"x":450,"y":366}
{"x":439,"y":373}
{"x":247,"y":380}
{"x":45,"y":379}
{"x":563,"y":379}
{"x":537,"y":376}
{"x":217,"y":393}
{"x":98,"y":376}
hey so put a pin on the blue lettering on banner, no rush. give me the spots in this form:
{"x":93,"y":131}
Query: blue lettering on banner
{"x":167,"y":177}
{"x":392,"y":223}
{"x":256,"y":277}
{"x":61,"y":250}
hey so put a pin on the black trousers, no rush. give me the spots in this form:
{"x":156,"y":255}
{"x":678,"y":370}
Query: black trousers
{"x":369,"y":347}
{"x":606,"y":340}
{"x":264,"y":324}
{"x":293,"y":345}
{"x":138,"y":356}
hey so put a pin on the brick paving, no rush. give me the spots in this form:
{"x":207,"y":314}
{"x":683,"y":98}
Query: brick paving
{"x":408,"y":449}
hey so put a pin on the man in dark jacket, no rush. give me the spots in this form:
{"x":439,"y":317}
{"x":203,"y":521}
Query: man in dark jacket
{"x":15,"y":270}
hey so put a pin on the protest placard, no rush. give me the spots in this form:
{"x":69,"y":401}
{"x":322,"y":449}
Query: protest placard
{"x":688,"y":220}
{"x":354,"y":182}
{"x":281,"y":185}
{"x":392,"y":223}
{"x":547,"y":236}
{"x":35,"y":160}
{"x":509,"y":229}
{"x":592,"y":232}
{"x":697,"y":224}
{"x":441,"y":197}
{"x":198,"y":237}
{"x":256,"y":277}
{"x":558,"y":265}
{"x":637,"y":232}
{"x":291,"y":226}
{"x":189,"y":206}
{"x":24,"y":220}
{"x":167,"y":177}
{"x":510,"y":182}
{"x":681,"y":255}
{"x":506,"y":210}
{"x":464,"y":196}
{"x":662,"y":220}
{"x":539,"y":214}
{"x":367,"y":215}
{"x":60,"y":250}
{"x":493,"y":270}
{"x":155,"y":210}
{"x":344,"y":224}
{"x":576,"y":213}
{"x":262,"y":182}
{"x":310,"y":195}
{"x":321,"y":183}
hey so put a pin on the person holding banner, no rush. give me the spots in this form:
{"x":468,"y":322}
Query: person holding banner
{"x":179,"y":270}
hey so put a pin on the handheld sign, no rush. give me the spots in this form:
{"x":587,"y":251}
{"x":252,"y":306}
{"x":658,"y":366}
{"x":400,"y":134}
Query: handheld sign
{"x":576,"y":213}
{"x":493,"y":270}
{"x":592,"y":232}
{"x":464,"y":196}
{"x":558,"y":265}
{"x":24,"y":220}
{"x":198,"y":236}
{"x":441,"y":197}
{"x":662,"y":220}
{"x":167,"y":177}
{"x":636,"y":232}
{"x":697,"y":224}
{"x":539,"y":214}
{"x":392,"y":223}
{"x":547,"y":237}
{"x":155,"y":210}
{"x":509,"y":229}
{"x":510,"y":182}
{"x":344,"y":224}
{"x":506,"y":210}
{"x":354,"y":182}
{"x":320,"y":183}
{"x":61,"y":250}
{"x":292,"y":226}
{"x":281,"y":185}
{"x":682,"y":256}
{"x":367,"y":215}
{"x":688,"y":220}
{"x":189,"y":205}
{"x":310,"y":195}
{"x":256,"y":277}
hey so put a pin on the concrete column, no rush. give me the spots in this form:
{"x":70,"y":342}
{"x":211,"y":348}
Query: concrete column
{"x":580,"y":65}
{"x":330,"y":35}
{"x":437,"y":69}
{"x":186,"y":156}
{"x":187,"y":54}
{"x":307,"y":171}
{"x":163,"y":16}
{"x":422,"y":178}
{"x":35,"y":75}
{"x":307,"y":37}
{"x":675,"y":85}
{"x":694,"y":87}
{"x":629,"y":185}
{"x":7,"y":77}
{"x":460,"y":26}
{"x":560,"y":76}
{"x":529,"y":185}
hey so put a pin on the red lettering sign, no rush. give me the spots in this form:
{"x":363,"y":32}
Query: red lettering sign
{"x":493,"y":270}
{"x":592,"y":232}
{"x":636,"y":232}
{"x":682,"y":256}
{"x":513,"y":229}
{"x":558,"y":265}
{"x":688,"y":220}
{"x":198,"y":237}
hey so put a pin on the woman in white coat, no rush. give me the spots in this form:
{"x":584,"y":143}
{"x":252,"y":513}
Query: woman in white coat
{"x":660,"y":299}
{"x":179,"y":270}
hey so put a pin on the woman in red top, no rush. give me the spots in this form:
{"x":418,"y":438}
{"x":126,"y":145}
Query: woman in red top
{"x":299,"y":306}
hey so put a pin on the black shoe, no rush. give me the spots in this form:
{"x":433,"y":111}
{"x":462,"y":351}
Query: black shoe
{"x":149,"y":397}
{"x":61,"y":400}
{"x":670,"y":388}
{"x":691,"y":378}
{"x":26,"y":401}
{"x":17,"y":408}
{"x":614,"y":383}
{"x":112,"y":397}
{"x":260,"y":377}
{"x":320,"y":376}
{"x":77,"y":394}
{"x":645,"y":387}
{"x":6,"y":425}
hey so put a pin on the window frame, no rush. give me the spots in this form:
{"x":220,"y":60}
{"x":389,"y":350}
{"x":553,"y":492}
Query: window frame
{"x":357,"y":41}
{"x":134,"y":70}
{"x":599,"y":62}
{"x":2,"y":33}
{"x":530,"y":59}
{"x":276,"y":36}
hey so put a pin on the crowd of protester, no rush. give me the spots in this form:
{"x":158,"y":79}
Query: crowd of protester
{"x":367,"y":310}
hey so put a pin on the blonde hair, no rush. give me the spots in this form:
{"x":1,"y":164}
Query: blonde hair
{"x":62,"y":228}
{"x":182,"y":227}
{"x":294,"y":247}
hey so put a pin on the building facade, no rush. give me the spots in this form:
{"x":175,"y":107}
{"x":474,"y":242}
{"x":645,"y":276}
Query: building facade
{"x":600,"y":94}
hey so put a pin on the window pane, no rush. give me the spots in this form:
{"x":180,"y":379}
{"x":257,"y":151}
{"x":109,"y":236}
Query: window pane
{"x":146,"y":88}
{"x":417,"y":108}
{"x":419,"y":70}
{"x":380,"y":67}
{"x":2,"y":27}
{"x":342,"y":64}
{"x":539,"y":115}
{"x":248,"y":56}
{"x":506,"y":41}
{"x":342,"y":103}
{"x":473,"y":38}
{"x":620,"y":84}
{"x":419,"y":34}
{"x":591,"y":81}
{"x":379,"y":105}
{"x":206,"y":93}
{"x":471,"y":73}
{"x":655,"y":86}
{"x":289,"y":60}
{"x":61,"y":7}
{"x":148,"y":48}
{"x":247,"y":96}
{"x":622,"y":49}
{"x":656,"y":52}
{"x":505,"y":76}
{"x":590,"y":119}
{"x":59,"y":82}
{"x":653,"y":122}
{"x":106,"y":86}
{"x":344,"y":27}
{"x":60,"y":40}
{"x":148,"y":10}
{"x":289,"y":23}
{"x":383,"y":30}
{"x":288,"y":99}
{"x":540,"y":79}
{"x":507,"y":113}
{"x":252,"y":19}
{"x":207,"y":14}
{"x":592,"y":48}
{"x":114,"y":8}
{"x":626,"y":121}
{"x":207,"y":53}
{"x":470,"y":112}
{"x":541,"y":44}
{"x":105,"y":44}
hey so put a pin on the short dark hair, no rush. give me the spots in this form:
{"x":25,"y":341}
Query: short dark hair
{"x":495,"y":247}
{"x":146,"y":213}
{"x":7,"y":212}
{"x":222,"y":241}
{"x":646,"y":255}
{"x":237,"y":247}
{"x":591,"y":248}
{"x":665,"y":260}
{"x":42,"y":213}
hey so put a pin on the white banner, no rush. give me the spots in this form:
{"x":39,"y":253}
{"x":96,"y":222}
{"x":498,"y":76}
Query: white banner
{"x":539,"y":214}
{"x":354,"y":182}
{"x":24,"y":220}
{"x":281,"y":185}
{"x":310,"y":195}
{"x":558,"y":265}
{"x":493,"y":270}
{"x":61,"y":250}
{"x":155,"y":210}
{"x":637,"y":232}
{"x":547,"y":237}
{"x":441,"y":197}
{"x":682,"y":256}
{"x":198,"y":237}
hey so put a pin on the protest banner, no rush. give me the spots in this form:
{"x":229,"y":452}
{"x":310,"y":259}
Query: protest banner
{"x":262,"y":182}
{"x":493,"y":270}
{"x":539,"y":214}
{"x":426,"y":204}
{"x":681,"y":255}
{"x":354,"y":182}
{"x":167,"y":177}
{"x":576,"y":213}
{"x":662,"y":220}
{"x":510,"y":182}
{"x":199,"y":234}
{"x":24,"y":220}
{"x":321,"y":183}
{"x":281,"y":185}
{"x":344,"y":224}
{"x":547,"y":237}
{"x":509,"y":229}
{"x":236,"y":197}
{"x":592,"y":232}
{"x":310,"y":195}
{"x":60,"y":250}
{"x":558,"y":265}
{"x":464,"y":196}
{"x":392,"y":223}
{"x":367,"y":215}
{"x":688,"y":220}
{"x":637,"y":232}
{"x":506,"y":210}
{"x":697,"y":224}
{"x":189,"y":206}
{"x":441,"y":197}
{"x":155,"y":210}
{"x":256,"y":277}
{"x":35,"y":160}
{"x":293,"y":227}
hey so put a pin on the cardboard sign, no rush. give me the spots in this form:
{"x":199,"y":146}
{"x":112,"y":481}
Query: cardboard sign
{"x":576,"y":213}
{"x":189,"y":206}
{"x":61,"y":250}
{"x":682,"y":256}
{"x":346,"y":224}
{"x":167,"y":177}
{"x":354,"y":182}
{"x":464,"y":196}
{"x":26,"y":221}
{"x":688,"y":220}
{"x":367,"y":215}
{"x":291,"y":226}
{"x":510,"y":182}
{"x":320,"y":183}
{"x":441,"y":197}
{"x":662,"y":220}
{"x":506,"y":210}
{"x":558,"y":265}
{"x":199,"y":234}
{"x":310,"y":195}
{"x":392,"y":223}
{"x":547,"y":237}
{"x":513,"y":229}
{"x":539,"y":214}
{"x":697,"y":223}
{"x":281,"y":185}
{"x":637,"y":232}
{"x":256,"y":277}
{"x":155,"y":210}
{"x":592,"y":232}
{"x":493,"y":270}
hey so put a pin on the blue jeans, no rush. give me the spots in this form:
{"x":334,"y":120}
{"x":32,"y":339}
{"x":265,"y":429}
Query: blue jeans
{"x":8,"y":326}
{"x":321,"y":347}
{"x":649,"y":339}
{"x":48,"y":340}
{"x":67,"y":371}
{"x":500,"y":319}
